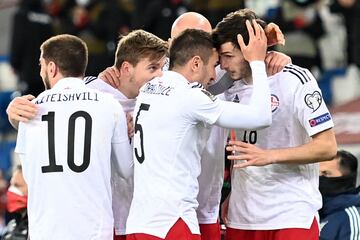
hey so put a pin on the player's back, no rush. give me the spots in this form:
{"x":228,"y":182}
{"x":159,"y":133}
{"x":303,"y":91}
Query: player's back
{"x":67,"y":162}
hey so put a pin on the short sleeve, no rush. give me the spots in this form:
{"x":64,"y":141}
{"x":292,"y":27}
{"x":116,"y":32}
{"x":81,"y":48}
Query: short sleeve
{"x":120,"y":130}
{"x":121,"y":151}
{"x":20,"y":140}
{"x":309,"y":104}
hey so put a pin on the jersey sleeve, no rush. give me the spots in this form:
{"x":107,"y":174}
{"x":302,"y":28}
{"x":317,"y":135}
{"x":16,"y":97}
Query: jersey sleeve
{"x":205,"y":106}
{"x":309,"y":104}
{"x":121,"y":151}
{"x":256,"y":114}
{"x":20,"y":140}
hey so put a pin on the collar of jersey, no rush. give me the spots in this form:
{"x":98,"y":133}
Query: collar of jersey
{"x":69,"y":82}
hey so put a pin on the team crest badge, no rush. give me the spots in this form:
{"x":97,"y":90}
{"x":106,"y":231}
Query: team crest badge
{"x":313,"y":100}
{"x":274,"y":102}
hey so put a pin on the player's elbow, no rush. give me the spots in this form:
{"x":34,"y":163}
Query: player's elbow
{"x":328,"y":146}
{"x":330,"y":150}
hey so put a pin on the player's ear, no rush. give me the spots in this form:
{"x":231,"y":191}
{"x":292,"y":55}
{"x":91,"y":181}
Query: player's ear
{"x":196,"y":63}
{"x":52,"y":69}
{"x":126,"y":68}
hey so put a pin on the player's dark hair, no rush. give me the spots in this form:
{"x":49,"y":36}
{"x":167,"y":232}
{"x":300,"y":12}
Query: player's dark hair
{"x":348,"y":162}
{"x":234,"y":24}
{"x":138,"y":45}
{"x":190,"y":43}
{"x":68,"y":52}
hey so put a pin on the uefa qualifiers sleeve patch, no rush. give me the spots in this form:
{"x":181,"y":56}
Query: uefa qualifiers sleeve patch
{"x":320,"y":119}
{"x":313,"y":100}
{"x":207,"y":93}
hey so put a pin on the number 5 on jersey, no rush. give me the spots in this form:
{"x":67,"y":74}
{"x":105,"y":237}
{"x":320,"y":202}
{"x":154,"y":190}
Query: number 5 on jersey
{"x":138,"y":128}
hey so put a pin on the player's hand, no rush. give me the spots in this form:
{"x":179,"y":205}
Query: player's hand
{"x":111,"y":75}
{"x":21,"y":109}
{"x":225,"y":210}
{"x":256,"y":48}
{"x":130,"y":124}
{"x":275,"y":62}
{"x":249,"y":153}
{"x":274,"y":35}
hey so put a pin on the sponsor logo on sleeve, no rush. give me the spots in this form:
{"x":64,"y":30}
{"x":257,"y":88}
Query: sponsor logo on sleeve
{"x":320,"y":119}
{"x":274,"y":102}
{"x":313,"y":100}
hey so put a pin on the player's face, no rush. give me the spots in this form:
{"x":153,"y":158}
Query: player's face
{"x":233,"y":61}
{"x":330,"y":168}
{"x":43,"y":73}
{"x":144,"y":71}
{"x":208,"y":73}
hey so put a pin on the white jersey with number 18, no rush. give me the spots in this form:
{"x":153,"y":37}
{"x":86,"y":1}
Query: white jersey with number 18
{"x":279,"y":196}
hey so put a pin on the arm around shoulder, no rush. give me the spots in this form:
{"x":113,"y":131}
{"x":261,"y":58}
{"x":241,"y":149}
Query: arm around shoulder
{"x":21,"y":109}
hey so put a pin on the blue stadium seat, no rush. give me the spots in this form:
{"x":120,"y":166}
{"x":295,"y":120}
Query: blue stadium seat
{"x":5,"y":98}
{"x":6,"y":151}
{"x":7,"y":145}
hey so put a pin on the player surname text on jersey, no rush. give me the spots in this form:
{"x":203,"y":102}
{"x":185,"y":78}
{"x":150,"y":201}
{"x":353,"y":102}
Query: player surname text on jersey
{"x":63,"y":97}
{"x":157,"y":89}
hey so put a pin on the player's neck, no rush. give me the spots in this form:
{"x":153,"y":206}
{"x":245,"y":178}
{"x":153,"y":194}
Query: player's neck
{"x":248,"y":80}
{"x":127,"y":90}
{"x":189,"y":75}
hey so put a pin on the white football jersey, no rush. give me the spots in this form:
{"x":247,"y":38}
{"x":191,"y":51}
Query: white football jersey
{"x":280,"y":196}
{"x":172,"y":125}
{"x":212,"y":176}
{"x":221,"y":83}
{"x":66,"y":152}
{"x":122,"y":189}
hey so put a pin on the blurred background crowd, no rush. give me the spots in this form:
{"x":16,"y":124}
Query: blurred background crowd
{"x":321,"y":35}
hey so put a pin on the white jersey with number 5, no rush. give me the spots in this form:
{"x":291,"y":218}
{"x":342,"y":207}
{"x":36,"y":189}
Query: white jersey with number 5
{"x":172,"y":124}
{"x":66,"y":153}
{"x":280,"y":196}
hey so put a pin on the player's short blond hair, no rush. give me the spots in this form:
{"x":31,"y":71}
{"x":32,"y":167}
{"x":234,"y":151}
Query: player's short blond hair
{"x":138,"y":45}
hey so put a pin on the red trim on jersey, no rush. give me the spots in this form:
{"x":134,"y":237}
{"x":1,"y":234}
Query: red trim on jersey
{"x":280,"y":234}
{"x":232,"y":135}
{"x":179,"y":231}
{"x":210,"y":231}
